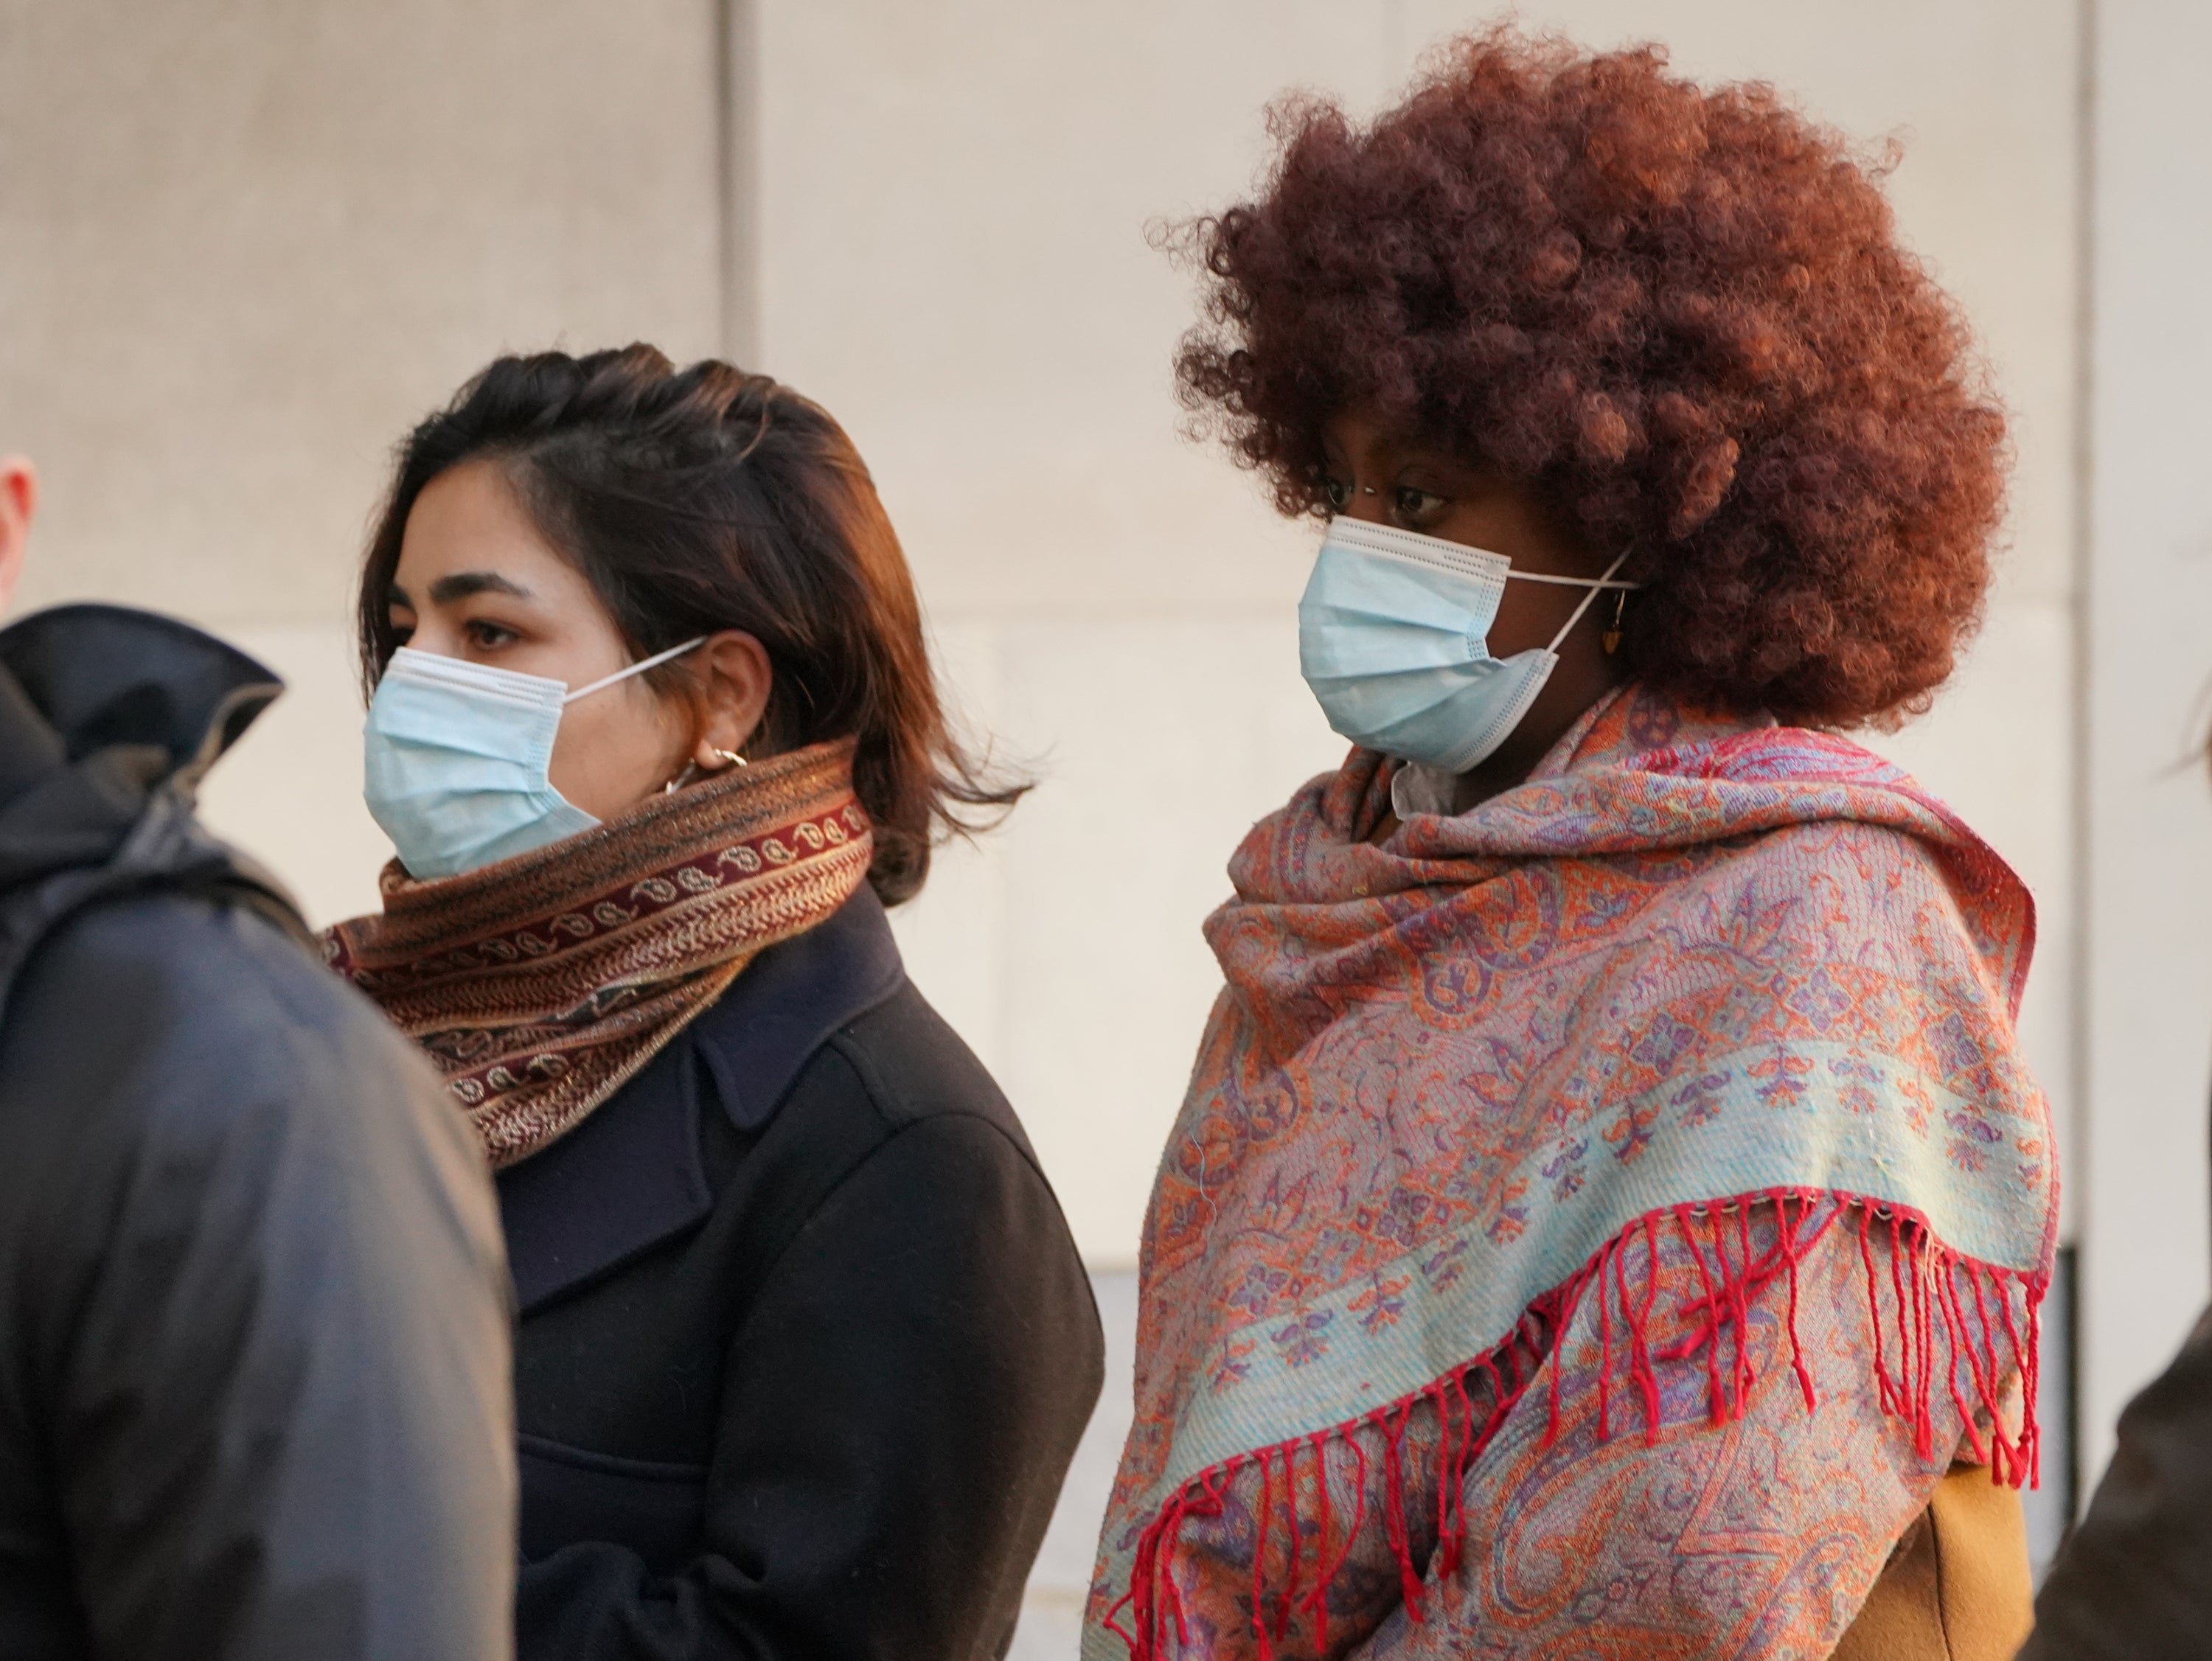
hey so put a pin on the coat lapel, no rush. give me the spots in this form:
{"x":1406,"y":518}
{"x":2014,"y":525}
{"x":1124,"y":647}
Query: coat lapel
{"x":633,"y":1174}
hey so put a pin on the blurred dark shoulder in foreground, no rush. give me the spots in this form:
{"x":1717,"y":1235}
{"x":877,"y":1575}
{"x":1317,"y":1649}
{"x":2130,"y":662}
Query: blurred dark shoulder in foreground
{"x":253,"y":1347}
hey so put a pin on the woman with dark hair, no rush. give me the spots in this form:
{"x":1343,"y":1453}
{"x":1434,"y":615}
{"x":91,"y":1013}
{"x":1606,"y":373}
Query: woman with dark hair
{"x":804,"y":1346}
{"x":1609,"y":1212}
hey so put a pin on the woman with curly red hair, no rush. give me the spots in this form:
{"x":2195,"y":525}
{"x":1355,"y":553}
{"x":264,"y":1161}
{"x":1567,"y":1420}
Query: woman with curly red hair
{"x":1610,"y":1212}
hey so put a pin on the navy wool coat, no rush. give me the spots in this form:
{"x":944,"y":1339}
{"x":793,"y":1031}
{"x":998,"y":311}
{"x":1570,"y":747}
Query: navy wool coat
{"x":805,"y":1347}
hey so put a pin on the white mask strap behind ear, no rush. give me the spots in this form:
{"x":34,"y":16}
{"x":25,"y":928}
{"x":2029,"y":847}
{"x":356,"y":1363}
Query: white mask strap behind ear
{"x":1595,"y":589}
{"x":654,"y":661}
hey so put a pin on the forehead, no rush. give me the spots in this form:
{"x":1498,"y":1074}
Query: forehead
{"x":1353,"y":434}
{"x":1358,"y":438}
{"x":471,"y":517}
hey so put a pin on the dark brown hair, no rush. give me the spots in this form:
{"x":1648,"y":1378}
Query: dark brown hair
{"x":704,"y":499}
{"x":1679,"y":316}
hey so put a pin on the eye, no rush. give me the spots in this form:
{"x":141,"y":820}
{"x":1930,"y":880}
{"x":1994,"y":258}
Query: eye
{"x":1339,"y":492}
{"x":1412,"y":508}
{"x":488,"y":636}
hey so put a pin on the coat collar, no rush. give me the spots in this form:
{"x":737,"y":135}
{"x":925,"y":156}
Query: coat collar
{"x":634,"y":1173}
{"x":99,"y":677}
{"x":108,"y":719}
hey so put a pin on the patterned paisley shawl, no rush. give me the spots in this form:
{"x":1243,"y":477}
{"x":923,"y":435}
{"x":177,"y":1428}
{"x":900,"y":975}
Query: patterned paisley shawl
{"x":541,"y":985}
{"x":1692,"y":968}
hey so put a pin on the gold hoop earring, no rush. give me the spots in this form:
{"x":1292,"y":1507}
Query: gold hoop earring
{"x":731,"y":758}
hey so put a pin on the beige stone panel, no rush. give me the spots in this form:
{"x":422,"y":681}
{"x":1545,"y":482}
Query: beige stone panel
{"x":2148,"y":1004}
{"x":245,"y":243}
{"x":953,"y":934}
{"x":1159,"y":743}
{"x":956,"y":199}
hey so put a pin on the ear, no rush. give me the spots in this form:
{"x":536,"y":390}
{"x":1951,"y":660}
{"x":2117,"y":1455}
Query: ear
{"x":735,"y":681}
{"x":19,"y":505}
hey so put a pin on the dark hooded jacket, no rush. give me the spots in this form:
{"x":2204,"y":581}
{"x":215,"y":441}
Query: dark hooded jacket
{"x":254,"y":1397}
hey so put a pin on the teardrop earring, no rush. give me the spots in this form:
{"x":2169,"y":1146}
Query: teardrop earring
{"x":1613,"y":635}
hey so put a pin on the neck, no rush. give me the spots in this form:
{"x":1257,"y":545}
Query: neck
{"x":1512,"y":762}
{"x":1579,"y":682}
{"x":1547,"y":721}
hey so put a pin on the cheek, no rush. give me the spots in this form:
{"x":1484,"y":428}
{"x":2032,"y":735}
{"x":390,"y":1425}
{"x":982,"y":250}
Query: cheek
{"x":1529,"y":616}
{"x":611,"y":752}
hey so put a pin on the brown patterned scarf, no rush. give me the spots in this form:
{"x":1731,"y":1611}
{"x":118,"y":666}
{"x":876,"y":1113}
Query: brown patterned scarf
{"x":541,"y":985}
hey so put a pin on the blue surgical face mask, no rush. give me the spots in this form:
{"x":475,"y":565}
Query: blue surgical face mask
{"x":455,"y":756}
{"x":1393,"y":637}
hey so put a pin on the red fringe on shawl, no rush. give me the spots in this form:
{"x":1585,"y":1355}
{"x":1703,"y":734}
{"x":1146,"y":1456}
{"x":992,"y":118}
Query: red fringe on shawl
{"x":1925,"y":1286}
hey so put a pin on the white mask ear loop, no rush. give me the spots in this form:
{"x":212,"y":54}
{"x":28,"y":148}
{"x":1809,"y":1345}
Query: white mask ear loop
{"x":657,"y":658}
{"x":1595,"y":589}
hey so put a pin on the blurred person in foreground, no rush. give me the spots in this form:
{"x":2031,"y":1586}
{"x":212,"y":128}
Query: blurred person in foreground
{"x":805,"y":1347}
{"x":2133,"y":1581}
{"x":252,"y":1306}
{"x":1610,"y":1210}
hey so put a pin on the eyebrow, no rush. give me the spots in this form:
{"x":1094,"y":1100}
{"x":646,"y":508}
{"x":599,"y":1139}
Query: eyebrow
{"x":459,"y":586}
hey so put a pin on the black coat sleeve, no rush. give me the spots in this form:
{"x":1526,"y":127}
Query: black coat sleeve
{"x":2135,"y":1578}
{"x":269,"y":1321}
{"x":898,"y":1412}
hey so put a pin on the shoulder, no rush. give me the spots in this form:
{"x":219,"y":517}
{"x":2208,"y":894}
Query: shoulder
{"x":182,"y":1084}
{"x":200,"y":973}
{"x":1932,"y":893}
{"x":914,"y":1069}
{"x":932,"y":1153}
{"x":895,"y":1083}
{"x":192,"y":1024}
{"x":1870,"y":861}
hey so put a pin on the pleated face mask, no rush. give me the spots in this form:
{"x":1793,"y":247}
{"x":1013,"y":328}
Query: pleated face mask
{"x":455,"y":756}
{"x":1394,"y":640}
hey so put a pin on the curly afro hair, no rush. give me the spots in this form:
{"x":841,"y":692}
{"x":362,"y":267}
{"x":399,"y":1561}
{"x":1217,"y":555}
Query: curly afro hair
{"x":1679,"y":316}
